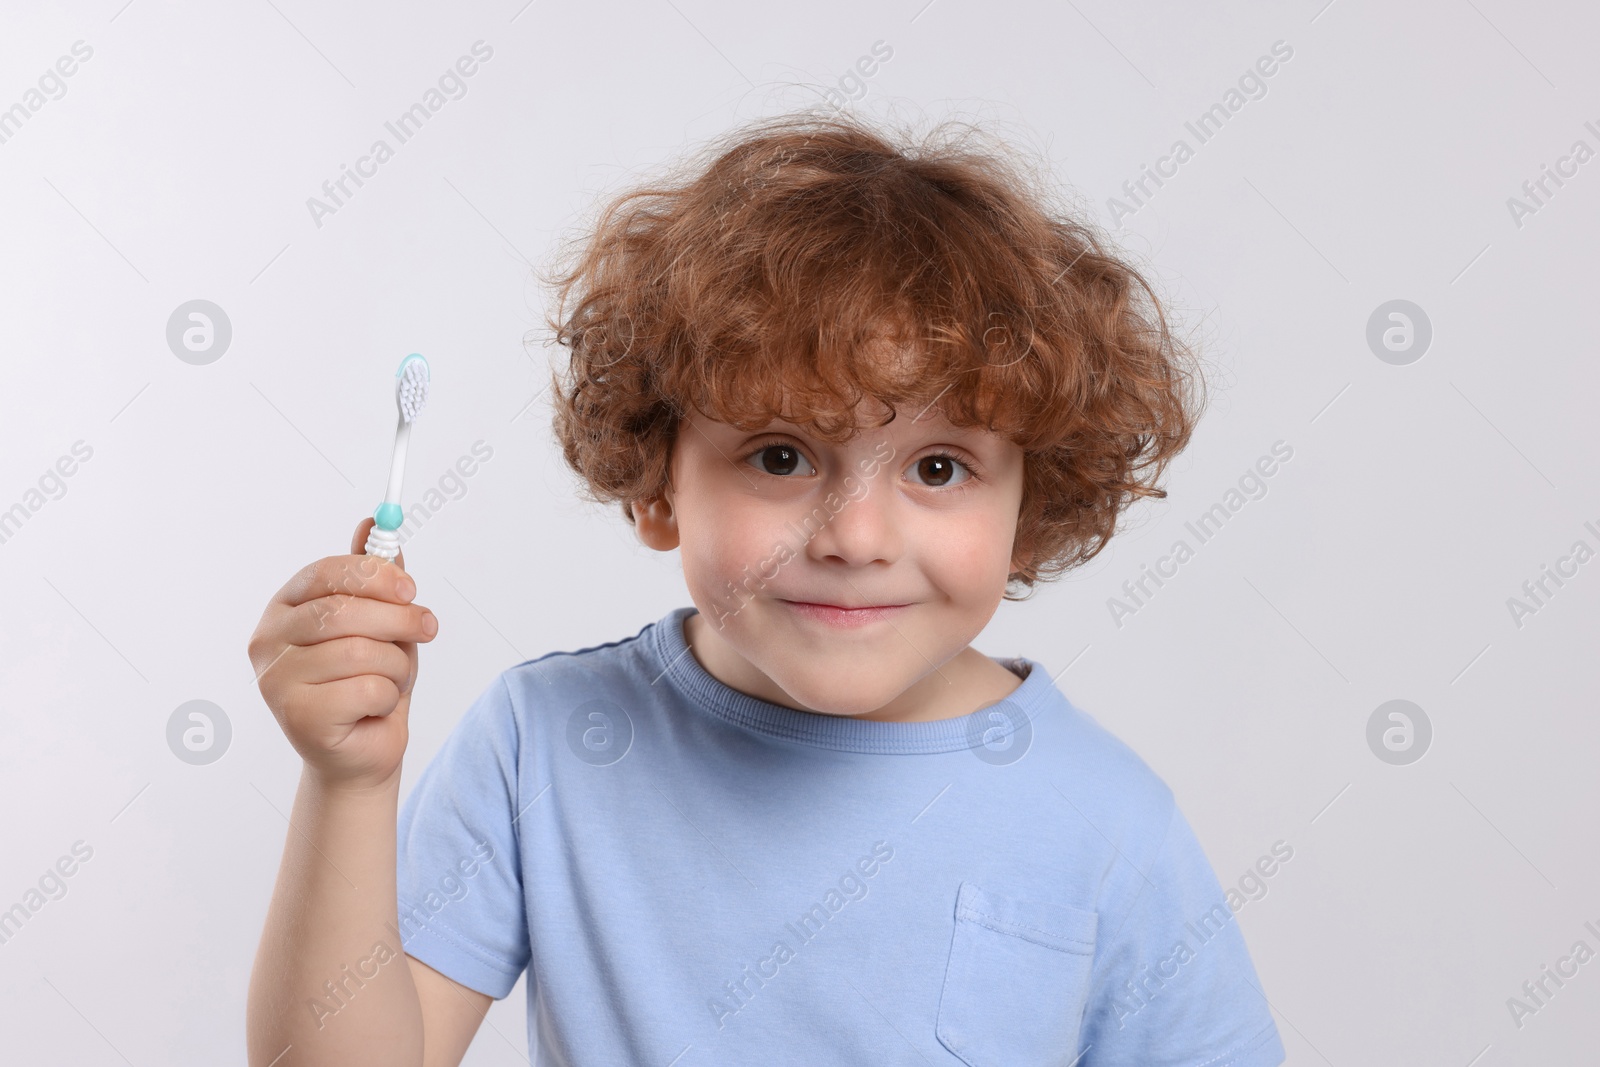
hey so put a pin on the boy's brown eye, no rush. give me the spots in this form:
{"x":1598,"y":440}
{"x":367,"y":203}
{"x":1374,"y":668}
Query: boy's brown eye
{"x":779,"y":459}
{"x":940,"y":470}
{"x":936,"y":469}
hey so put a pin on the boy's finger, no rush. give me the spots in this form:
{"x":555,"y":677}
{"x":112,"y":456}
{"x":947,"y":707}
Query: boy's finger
{"x":352,"y":657}
{"x":330,"y":617}
{"x":356,"y":575}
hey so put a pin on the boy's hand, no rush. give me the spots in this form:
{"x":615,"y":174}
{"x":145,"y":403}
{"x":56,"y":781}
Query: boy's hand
{"x":335,"y":656}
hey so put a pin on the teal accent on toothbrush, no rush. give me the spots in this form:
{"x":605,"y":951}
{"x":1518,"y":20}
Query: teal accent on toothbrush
{"x":388,"y":516}
{"x":410,"y":394}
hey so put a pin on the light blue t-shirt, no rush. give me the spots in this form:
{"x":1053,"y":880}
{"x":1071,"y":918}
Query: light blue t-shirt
{"x":692,"y":876}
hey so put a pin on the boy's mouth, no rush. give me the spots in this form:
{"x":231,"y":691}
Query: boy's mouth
{"x":842,"y":615}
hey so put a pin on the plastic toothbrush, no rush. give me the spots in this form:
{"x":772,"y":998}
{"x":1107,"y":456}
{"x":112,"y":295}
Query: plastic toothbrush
{"x":410,"y":393}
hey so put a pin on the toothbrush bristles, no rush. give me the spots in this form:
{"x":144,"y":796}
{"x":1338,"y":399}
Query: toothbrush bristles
{"x":413,"y":390}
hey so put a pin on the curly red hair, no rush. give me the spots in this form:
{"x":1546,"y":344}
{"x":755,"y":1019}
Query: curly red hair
{"x":758,"y":283}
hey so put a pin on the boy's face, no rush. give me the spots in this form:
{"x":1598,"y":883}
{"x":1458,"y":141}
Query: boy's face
{"x":916,"y":514}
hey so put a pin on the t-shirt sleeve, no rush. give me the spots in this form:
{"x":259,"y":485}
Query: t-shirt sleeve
{"x":459,"y":868}
{"x":1173,"y":984}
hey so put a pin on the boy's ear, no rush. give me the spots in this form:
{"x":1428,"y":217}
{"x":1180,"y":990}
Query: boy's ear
{"x":656,"y":522}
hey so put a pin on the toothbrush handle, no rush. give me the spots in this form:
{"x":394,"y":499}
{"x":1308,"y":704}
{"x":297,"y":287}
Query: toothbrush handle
{"x":397,"y":465}
{"x":385,"y":544}
{"x":384,"y":540}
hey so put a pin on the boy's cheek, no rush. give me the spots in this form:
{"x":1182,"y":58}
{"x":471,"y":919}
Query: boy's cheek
{"x":980,"y":545}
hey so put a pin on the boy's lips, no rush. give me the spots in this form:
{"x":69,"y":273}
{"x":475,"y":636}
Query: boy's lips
{"x":843,"y":615}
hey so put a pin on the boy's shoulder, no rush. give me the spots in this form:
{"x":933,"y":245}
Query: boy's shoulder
{"x":1107,"y":781}
{"x":571,"y":672}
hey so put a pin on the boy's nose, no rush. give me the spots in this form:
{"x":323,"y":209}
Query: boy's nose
{"x":865,"y":529}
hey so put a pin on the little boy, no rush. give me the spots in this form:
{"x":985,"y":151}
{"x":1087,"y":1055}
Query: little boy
{"x":867,"y":391}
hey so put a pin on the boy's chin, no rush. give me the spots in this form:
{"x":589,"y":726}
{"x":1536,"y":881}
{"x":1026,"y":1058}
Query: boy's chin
{"x":840,"y":693}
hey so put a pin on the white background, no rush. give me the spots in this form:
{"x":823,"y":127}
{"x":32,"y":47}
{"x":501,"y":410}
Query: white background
{"x":1379,"y":565}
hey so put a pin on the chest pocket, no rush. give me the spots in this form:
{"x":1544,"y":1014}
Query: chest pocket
{"x":1017,"y":980}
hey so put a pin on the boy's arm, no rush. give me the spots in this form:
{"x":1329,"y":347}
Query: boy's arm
{"x":328,"y":986}
{"x":451,"y":1013}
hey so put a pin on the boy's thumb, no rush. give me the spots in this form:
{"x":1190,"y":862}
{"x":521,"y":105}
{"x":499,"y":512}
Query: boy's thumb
{"x":358,"y":543}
